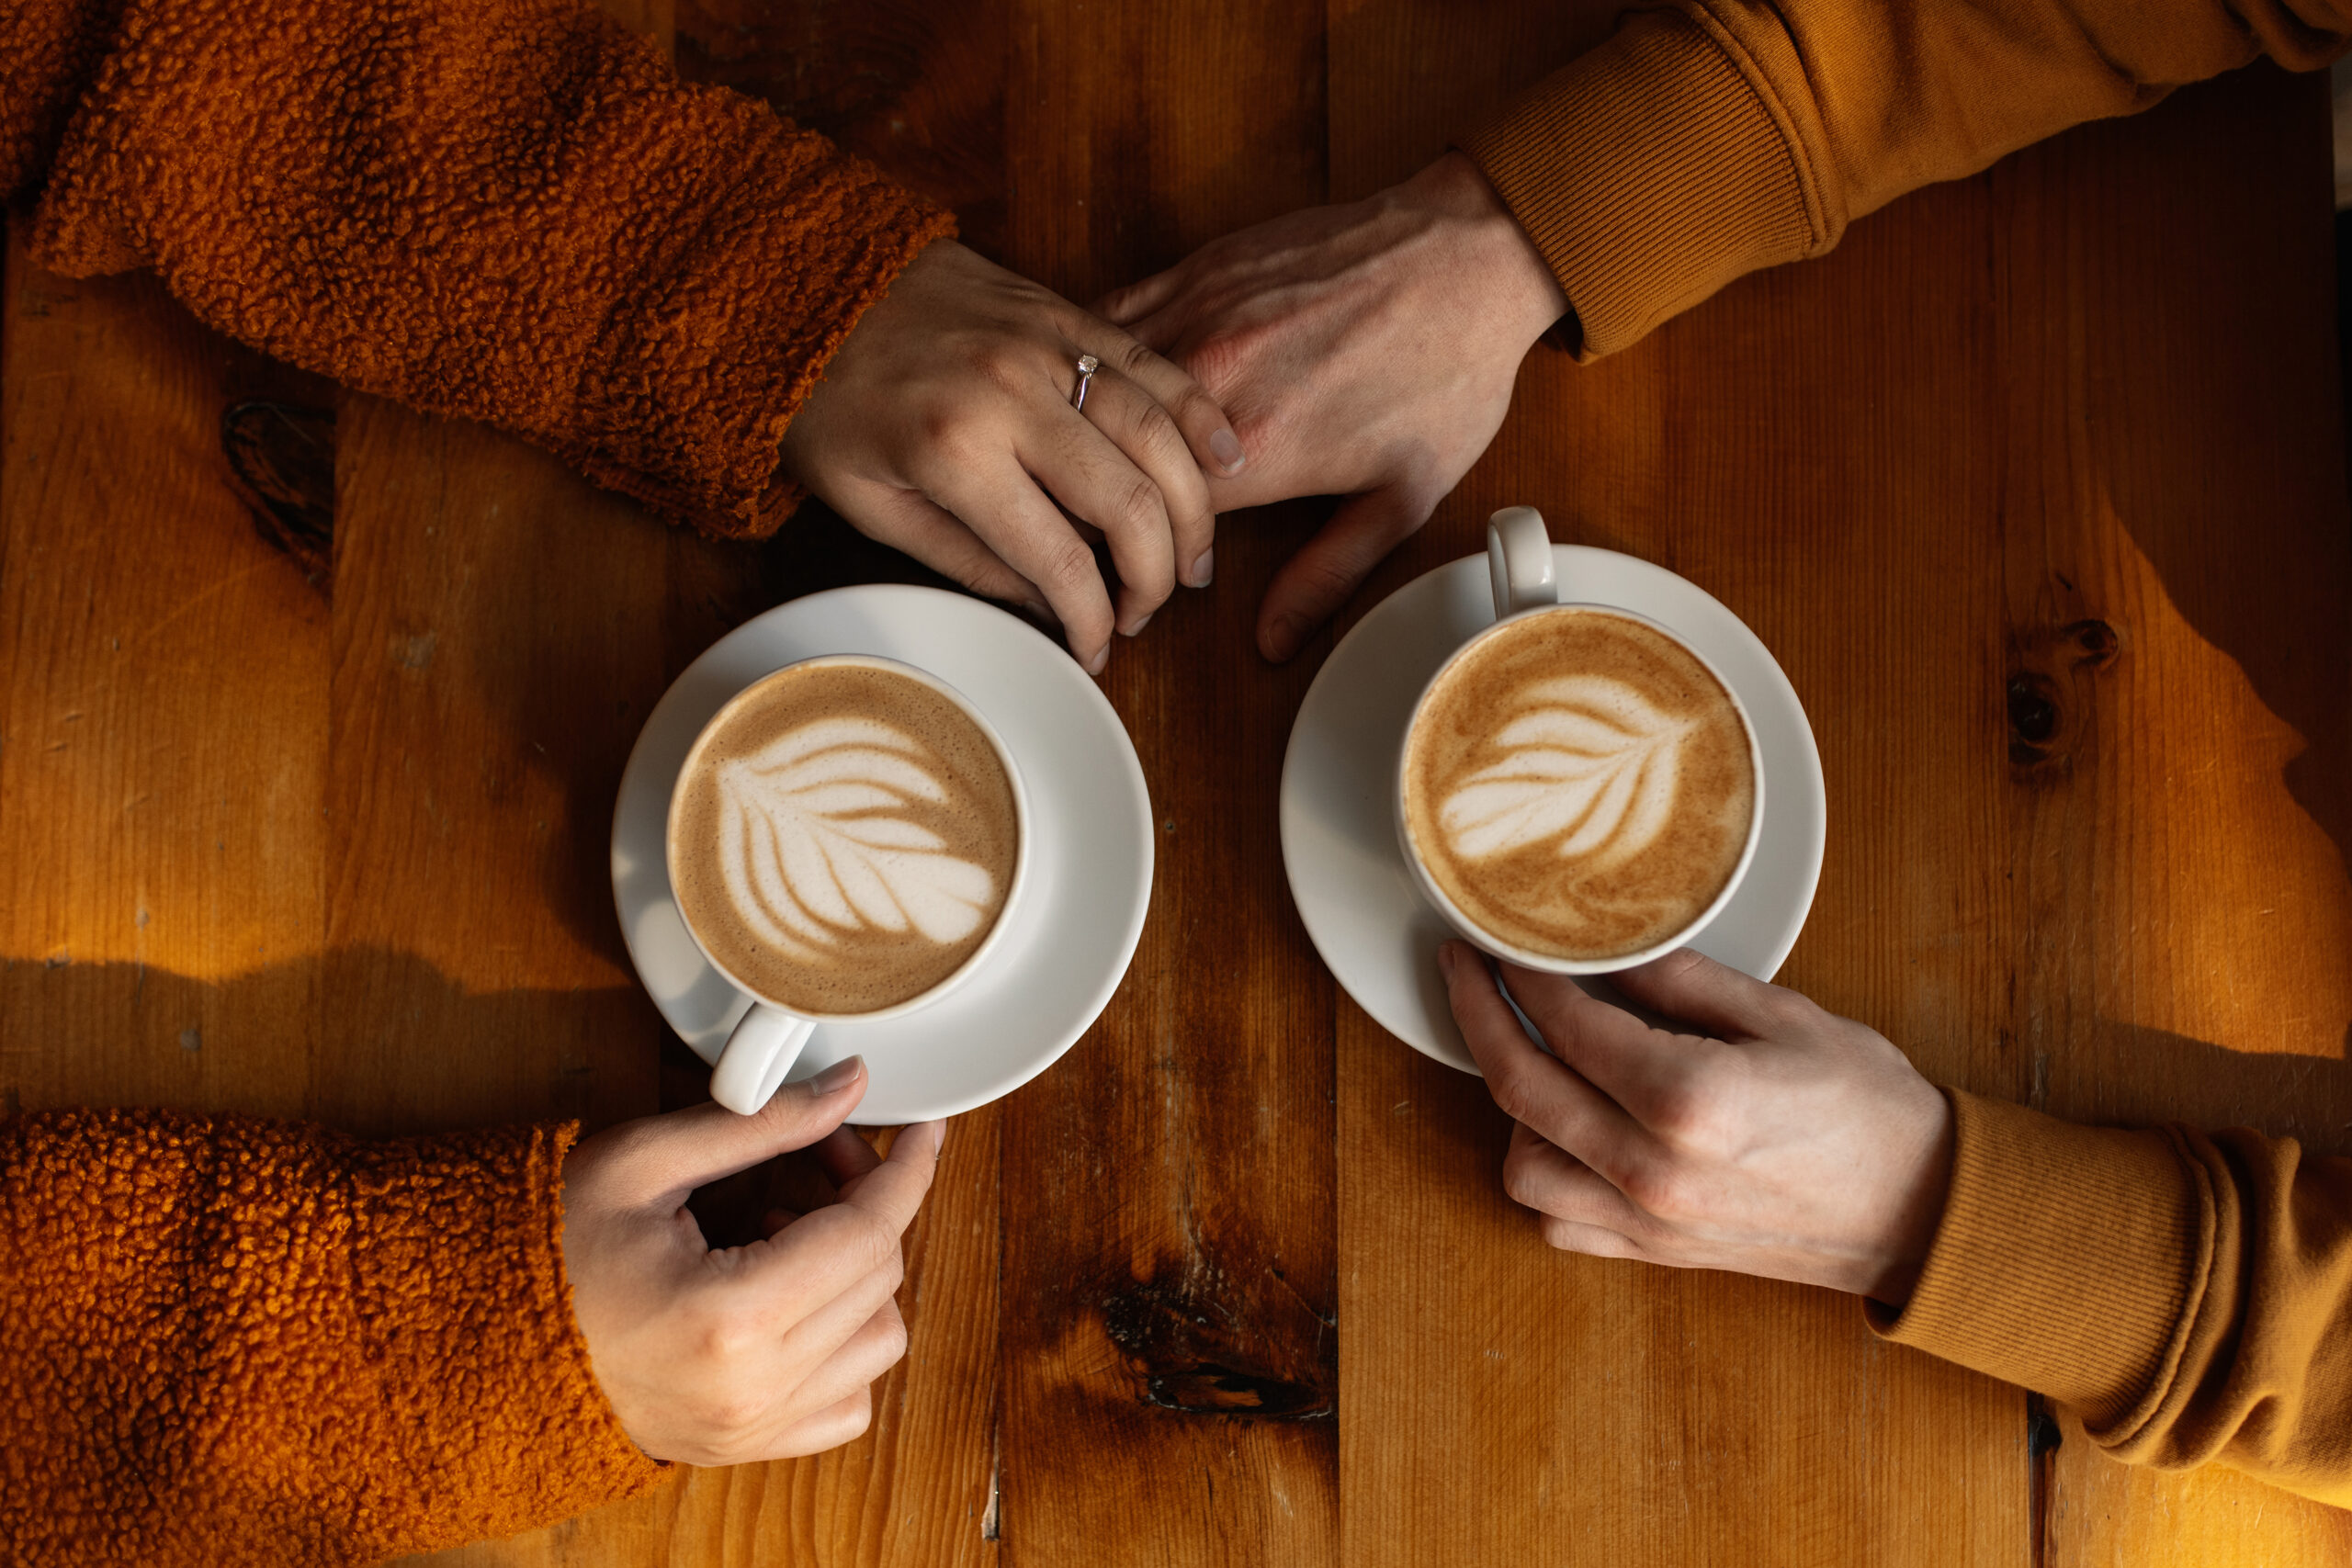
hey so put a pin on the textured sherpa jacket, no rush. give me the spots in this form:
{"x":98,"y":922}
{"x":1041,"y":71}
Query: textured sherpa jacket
{"x":226,"y":1342}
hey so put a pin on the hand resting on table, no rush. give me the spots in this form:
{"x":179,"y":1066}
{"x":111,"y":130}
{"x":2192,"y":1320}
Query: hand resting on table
{"x":1783,"y":1140}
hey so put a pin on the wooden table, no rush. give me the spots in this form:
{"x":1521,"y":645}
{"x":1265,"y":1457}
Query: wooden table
{"x":2036,"y":487}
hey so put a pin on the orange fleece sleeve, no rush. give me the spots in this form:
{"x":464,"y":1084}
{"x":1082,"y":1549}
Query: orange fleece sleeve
{"x":1703,"y":142}
{"x":2188,"y":1294}
{"x":226,"y":1342}
{"x":511,"y":210}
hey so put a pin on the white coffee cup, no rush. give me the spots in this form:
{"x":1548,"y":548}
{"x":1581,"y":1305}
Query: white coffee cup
{"x":760,"y":1053}
{"x":1525,"y":579}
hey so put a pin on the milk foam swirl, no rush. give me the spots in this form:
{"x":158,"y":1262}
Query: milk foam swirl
{"x":1592,"y":766}
{"x":816,"y":845}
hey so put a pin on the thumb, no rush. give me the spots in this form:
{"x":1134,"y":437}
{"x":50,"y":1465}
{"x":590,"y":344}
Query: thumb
{"x":674,"y":1153}
{"x":1124,"y":307}
{"x":1317,"y":582}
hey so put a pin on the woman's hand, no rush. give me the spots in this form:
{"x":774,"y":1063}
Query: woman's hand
{"x":1786,"y":1142}
{"x":944,"y":427}
{"x":1366,"y":350}
{"x":753,"y":1352}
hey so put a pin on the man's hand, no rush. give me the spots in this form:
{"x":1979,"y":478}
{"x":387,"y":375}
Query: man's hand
{"x":755,"y":1352}
{"x":1366,"y":350}
{"x":1784,"y":1142}
{"x":944,"y":427}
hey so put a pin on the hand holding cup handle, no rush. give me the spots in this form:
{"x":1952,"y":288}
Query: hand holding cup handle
{"x":758,"y":1057}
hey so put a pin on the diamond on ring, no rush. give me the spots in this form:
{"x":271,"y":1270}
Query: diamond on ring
{"x":1087,"y":366}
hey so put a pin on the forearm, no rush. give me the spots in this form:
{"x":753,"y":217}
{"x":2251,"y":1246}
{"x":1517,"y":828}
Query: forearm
{"x":510,"y":211}
{"x":1709,"y":141}
{"x":2190,"y":1295}
{"x":226,"y":1341}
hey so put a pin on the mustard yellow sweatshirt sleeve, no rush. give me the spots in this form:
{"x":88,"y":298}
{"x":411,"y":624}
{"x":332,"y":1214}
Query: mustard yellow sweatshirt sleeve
{"x":1705,"y":141}
{"x":229,"y":1343}
{"x":509,"y":210}
{"x":2189,"y":1294}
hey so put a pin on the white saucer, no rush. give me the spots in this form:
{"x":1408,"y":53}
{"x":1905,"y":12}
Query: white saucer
{"x":1339,"y":831}
{"x":1075,"y":927}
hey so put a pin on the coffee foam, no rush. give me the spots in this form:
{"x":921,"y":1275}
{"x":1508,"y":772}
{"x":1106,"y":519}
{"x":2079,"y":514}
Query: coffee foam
{"x":845,"y":840}
{"x":1578,"y":784}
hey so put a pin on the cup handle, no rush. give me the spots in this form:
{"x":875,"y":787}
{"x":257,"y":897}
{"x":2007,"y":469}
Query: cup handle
{"x":752,"y":1065}
{"x":1519,"y":559}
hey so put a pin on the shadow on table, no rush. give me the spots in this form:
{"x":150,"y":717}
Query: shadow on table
{"x":2125,"y":1075}
{"x":366,"y":1040}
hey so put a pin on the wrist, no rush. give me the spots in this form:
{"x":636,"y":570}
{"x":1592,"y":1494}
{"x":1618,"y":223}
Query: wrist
{"x":1918,"y":1204}
{"x":1511,"y":281}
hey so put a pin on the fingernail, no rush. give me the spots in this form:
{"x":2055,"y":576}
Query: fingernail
{"x":1445,"y":960}
{"x":1226,"y":448}
{"x":1203,"y":568}
{"x":1136,"y":627}
{"x":1101,"y":657}
{"x":836,"y":1077}
{"x":1281,"y":638}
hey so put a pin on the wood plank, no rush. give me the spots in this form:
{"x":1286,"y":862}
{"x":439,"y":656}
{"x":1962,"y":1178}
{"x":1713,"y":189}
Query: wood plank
{"x":1169,"y":1269}
{"x":163,"y":704}
{"x":1761,"y":446}
{"x":2178,"y":570}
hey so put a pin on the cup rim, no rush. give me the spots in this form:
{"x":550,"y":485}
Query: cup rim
{"x":1486,"y":941}
{"x":1020,"y":878}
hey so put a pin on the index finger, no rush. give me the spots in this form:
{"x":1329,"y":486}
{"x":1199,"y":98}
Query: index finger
{"x":817,"y":1257}
{"x":1616,"y":1051}
{"x":1139,"y":298}
{"x":1532,"y":1088}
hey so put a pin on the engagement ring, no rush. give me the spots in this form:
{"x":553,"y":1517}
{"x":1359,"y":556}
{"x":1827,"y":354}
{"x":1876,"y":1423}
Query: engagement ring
{"x":1087,"y":366}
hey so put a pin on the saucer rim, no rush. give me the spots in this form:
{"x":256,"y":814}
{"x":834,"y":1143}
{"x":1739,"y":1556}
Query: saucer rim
{"x":1096,"y":774}
{"x":1811,"y":803}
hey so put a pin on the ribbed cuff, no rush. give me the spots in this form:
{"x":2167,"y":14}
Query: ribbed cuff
{"x":2065,"y":1259}
{"x":1649,"y":173}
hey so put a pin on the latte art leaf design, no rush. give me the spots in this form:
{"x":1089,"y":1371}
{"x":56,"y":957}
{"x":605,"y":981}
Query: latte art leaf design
{"x":1590,"y":762}
{"x":818,"y":843}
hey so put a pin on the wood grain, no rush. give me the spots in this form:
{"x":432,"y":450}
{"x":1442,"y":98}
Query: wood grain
{"x":2035,"y":488}
{"x":1170,"y":1354}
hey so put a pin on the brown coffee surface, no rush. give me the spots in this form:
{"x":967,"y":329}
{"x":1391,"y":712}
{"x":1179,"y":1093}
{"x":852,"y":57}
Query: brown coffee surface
{"x":1580,"y":785}
{"x":843,"y":838}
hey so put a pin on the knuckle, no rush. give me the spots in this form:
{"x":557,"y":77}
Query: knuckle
{"x":1155,"y":426}
{"x":729,"y":1419}
{"x":877,"y":1243}
{"x":1519,"y":1180}
{"x":1131,"y":358}
{"x":1514,"y":1091}
{"x":892,"y":1345}
{"x":949,"y":430}
{"x":1070,"y":564}
{"x":1220,"y":358}
{"x":1140,"y":507}
{"x":1658,"y":1188}
{"x":724,"y":1335}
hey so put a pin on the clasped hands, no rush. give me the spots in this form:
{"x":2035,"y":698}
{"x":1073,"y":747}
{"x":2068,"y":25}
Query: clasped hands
{"x":1365,"y":350}
{"x":1368,"y":351}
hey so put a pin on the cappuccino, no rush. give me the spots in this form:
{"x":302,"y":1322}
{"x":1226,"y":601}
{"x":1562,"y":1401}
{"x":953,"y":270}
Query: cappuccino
{"x":842,"y":838}
{"x":1578,"y":784}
